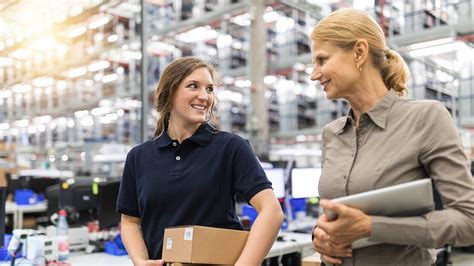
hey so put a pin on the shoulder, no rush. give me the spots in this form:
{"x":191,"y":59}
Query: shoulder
{"x":423,"y":109}
{"x":229,"y":138}
{"x":419,"y":105}
{"x":140,"y":148}
{"x":334,"y":126}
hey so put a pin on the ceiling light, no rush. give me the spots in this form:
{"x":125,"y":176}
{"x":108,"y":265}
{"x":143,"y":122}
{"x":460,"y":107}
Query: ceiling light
{"x":429,"y":44}
{"x":5,"y":94}
{"x":77,"y":32}
{"x":101,"y":21}
{"x":43,"y":82}
{"x":77,"y":72}
{"x":439,"y":49}
{"x":5,"y":61}
{"x":109,"y":78}
{"x":98,"y":65}
{"x":112,"y":38}
{"x":21,"y":88}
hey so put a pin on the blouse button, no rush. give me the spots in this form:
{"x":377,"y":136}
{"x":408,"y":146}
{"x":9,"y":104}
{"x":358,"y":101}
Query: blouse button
{"x":174,"y":144}
{"x":178,"y":158}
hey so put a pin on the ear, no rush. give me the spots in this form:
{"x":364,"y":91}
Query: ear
{"x":361,"y":51}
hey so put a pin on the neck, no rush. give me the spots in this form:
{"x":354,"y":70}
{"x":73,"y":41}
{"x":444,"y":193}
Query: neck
{"x":181,"y":132}
{"x":368,"y":93}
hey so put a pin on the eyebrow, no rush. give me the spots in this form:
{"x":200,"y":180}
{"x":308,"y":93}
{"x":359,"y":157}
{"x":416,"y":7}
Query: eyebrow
{"x":317,"y":56}
{"x":195,"y":81}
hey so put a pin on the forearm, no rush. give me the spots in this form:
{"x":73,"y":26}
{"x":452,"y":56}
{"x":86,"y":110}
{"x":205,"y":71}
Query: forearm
{"x":132,"y":237}
{"x":262,"y":236}
{"x":433,"y":230}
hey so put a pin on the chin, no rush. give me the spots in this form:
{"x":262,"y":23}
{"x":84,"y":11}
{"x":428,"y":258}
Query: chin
{"x":197,"y":120}
{"x":329,"y":96}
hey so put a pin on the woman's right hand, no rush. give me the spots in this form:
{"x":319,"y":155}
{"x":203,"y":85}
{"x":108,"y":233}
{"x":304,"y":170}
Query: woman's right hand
{"x":150,"y":263}
{"x":330,"y":251}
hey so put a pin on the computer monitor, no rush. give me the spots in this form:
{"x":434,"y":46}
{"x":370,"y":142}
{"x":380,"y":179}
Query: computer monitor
{"x":40,"y":184}
{"x":277,"y":177}
{"x":304,"y":182}
{"x":52,"y":196}
{"x":108,"y":193}
{"x":14,"y":183}
{"x":37,"y":184}
{"x":3,"y":196}
{"x":84,"y":198}
{"x":80,"y":199}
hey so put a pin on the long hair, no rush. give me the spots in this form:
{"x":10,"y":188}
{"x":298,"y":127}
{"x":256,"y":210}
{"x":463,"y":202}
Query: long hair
{"x":170,"y":79}
{"x":345,"y":27}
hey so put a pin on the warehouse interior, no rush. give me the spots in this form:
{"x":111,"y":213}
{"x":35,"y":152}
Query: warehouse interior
{"x":77,"y":92}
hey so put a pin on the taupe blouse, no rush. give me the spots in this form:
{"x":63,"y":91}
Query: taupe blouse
{"x":399,"y":141}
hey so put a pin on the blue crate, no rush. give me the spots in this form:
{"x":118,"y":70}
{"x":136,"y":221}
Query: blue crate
{"x":112,"y":248}
{"x":25,"y":197}
{"x":3,"y":251}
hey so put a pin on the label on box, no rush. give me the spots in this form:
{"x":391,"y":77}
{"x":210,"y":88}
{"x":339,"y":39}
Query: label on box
{"x":169,"y":243}
{"x":188,"y":234}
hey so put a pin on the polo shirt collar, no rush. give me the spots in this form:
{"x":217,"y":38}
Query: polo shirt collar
{"x":163,"y":140}
{"x":202,"y":136}
{"x":378,"y":114}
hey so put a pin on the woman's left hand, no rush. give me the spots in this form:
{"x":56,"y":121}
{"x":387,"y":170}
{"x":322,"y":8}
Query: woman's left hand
{"x":350,"y":225}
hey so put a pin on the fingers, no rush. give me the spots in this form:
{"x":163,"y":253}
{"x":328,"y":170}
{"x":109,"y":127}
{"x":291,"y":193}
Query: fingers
{"x":323,"y":245}
{"x":333,"y":206}
{"x":320,"y":234}
{"x":331,"y":260}
{"x":323,"y":218}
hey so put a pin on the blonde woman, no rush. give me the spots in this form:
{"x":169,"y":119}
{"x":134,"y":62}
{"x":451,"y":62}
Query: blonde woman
{"x":384,"y":140}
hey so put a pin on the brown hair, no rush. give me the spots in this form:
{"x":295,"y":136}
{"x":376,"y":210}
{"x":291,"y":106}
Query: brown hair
{"x":170,"y":79}
{"x":345,"y":27}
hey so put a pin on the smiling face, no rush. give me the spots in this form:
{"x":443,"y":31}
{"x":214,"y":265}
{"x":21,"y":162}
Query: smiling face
{"x":194,"y":99}
{"x":334,"y":68}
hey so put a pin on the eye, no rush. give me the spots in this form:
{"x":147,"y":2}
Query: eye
{"x":210,"y":89}
{"x":321,"y":61}
{"x":193,"y":86}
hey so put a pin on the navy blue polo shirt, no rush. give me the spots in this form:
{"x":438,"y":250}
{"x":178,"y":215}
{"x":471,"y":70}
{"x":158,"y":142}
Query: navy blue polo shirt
{"x":166,"y":183}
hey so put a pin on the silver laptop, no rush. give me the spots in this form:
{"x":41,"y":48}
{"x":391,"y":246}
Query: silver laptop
{"x":407,"y":199}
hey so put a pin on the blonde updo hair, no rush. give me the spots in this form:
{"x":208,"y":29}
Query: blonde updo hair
{"x":345,"y":27}
{"x":170,"y":79}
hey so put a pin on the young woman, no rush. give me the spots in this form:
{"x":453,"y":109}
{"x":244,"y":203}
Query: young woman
{"x":190,"y":172}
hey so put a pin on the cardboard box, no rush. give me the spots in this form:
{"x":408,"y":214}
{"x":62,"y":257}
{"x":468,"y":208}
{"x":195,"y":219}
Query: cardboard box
{"x":200,"y":244}
{"x":312,"y":260}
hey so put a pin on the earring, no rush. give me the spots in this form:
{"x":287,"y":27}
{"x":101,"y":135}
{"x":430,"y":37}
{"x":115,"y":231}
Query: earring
{"x":359,"y":68}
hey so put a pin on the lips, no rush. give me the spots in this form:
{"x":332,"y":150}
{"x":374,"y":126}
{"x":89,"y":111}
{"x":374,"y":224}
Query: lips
{"x":198,"y":107}
{"x":324,"y":83}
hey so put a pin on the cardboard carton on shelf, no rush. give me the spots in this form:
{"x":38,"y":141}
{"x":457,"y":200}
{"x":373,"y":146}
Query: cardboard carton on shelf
{"x":202,"y":245}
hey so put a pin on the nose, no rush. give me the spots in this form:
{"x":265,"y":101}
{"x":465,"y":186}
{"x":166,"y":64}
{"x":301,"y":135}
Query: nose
{"x":203,"y":95}
{"x":315,"y":74}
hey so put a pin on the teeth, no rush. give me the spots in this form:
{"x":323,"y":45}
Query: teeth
{"x":198,"y":107}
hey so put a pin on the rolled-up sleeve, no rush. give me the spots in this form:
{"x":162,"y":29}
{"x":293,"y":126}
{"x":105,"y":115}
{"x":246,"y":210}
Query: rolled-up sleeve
{"x":444,"y":161}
